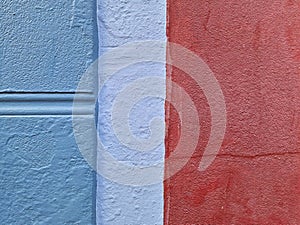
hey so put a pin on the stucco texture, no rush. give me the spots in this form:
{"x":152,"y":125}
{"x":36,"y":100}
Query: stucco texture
{"x":45,"y":47}
{"x":252,"y":47}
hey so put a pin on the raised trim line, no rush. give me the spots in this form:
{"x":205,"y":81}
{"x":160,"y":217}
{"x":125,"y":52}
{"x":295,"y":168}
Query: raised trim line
{"x":44,"y":103}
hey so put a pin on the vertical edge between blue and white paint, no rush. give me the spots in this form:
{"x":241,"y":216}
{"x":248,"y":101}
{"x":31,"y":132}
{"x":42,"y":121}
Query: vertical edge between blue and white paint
{"x":121,"y":22}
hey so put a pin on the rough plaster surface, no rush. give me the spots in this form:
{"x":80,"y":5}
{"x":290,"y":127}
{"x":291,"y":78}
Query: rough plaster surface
{"x":43,"y":177}
{"x":45,"y":46}
{"x":253,"y":49}
{"x":120,"y":22}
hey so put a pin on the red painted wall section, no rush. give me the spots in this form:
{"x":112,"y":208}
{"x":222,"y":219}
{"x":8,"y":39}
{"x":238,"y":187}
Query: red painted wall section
{"x":253,"y":49}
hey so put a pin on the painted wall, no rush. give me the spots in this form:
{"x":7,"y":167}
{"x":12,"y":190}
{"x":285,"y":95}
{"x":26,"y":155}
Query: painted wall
{"x":252,"y":47}
{"x":122,"y":22}
{"x":45,"y":47}
{"x":252,"y":51}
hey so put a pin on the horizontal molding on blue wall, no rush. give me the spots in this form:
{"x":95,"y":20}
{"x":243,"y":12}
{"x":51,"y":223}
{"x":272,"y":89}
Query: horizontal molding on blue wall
{"x":45,"y":103}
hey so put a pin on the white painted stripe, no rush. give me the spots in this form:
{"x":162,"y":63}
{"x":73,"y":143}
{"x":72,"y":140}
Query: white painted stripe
{"x":122,"y":22}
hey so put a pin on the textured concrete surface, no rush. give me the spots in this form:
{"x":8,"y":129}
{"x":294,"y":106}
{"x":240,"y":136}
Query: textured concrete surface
{"x":45,"y":46}
{"x":253,"y":49}
{"x":43,"y":177}
{"x":121,"y":22}
{"x":44,"y":49}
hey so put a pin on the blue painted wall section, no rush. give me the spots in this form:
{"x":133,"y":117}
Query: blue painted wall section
{"x":45,"y":47}
{"x":121,"y":22}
